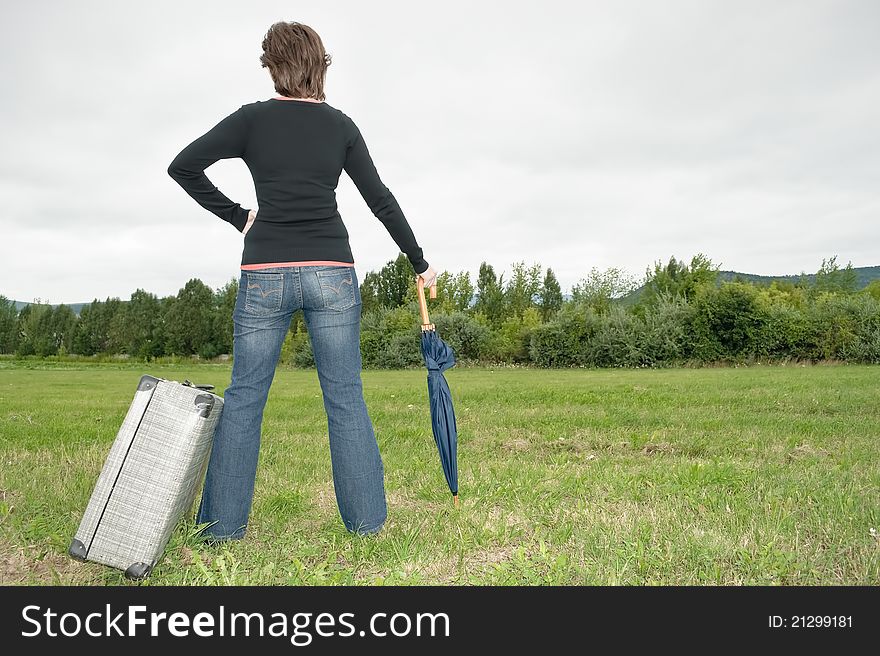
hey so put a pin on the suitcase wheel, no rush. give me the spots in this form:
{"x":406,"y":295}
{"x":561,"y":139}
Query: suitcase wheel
{"x":147,"y":382}
{"x":77,"y":550}
{"x":138,"y":571}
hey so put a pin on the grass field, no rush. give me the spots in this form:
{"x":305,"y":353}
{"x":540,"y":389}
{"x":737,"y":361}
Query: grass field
{"x":757,"y":475}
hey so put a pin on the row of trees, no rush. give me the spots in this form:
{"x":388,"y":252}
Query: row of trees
{"x":679,"y":313}
{"x":195,"y":321}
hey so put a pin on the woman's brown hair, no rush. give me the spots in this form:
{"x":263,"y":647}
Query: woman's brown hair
{"x":295,"y":57}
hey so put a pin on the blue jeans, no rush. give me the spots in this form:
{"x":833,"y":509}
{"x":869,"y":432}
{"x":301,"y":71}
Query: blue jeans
{"x":331,"y":303}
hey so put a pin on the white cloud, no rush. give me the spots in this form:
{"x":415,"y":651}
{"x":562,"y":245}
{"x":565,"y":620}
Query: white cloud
{"x":570,"y":134}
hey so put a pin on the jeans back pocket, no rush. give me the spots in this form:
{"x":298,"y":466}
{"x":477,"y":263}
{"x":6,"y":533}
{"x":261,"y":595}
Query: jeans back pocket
{"x":338,"y":288}
{"x":265,"y":292}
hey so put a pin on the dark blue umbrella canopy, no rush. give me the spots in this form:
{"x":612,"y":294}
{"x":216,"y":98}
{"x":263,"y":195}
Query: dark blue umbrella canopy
{"x":439,"y":357}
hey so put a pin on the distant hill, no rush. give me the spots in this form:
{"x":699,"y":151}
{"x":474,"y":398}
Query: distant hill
{"x":864,"y":275}
{"x":76,"y":307}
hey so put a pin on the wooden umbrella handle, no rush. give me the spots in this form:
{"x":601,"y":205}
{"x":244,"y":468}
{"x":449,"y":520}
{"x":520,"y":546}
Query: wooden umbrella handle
{"x":423,"y":306}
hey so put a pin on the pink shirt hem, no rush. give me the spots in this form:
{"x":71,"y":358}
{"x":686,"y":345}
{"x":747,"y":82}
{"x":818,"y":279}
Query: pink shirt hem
{"x":269,"y":265}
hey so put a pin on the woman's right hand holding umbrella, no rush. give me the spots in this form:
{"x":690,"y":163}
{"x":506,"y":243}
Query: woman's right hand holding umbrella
{"x":429,"y":276}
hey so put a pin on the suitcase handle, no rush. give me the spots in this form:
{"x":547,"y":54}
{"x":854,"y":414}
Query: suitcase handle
{"x":201,"y":387}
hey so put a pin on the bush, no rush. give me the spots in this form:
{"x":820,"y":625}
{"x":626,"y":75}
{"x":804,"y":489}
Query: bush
{"x":618,"y":338}
{"x":303,"y":356}
{"x":296,"y":351}
{"x":728,"y":321}
{"x":468,"y":337}
{"x":846,"y":327}
{"x":208,"y":350}
{"x":390,"y":337}
{"x":379,"y":325}
{"x":787,"y":333}
{"x":402,"y":350}
{"x":510,"y":341}
{"x":872,"y":289}
{"x":562,"y":341}
{"x":665,"y":330}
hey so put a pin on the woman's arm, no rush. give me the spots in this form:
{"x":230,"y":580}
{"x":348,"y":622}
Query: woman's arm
{"x":360,"y":168}
{"x":225,"y":140}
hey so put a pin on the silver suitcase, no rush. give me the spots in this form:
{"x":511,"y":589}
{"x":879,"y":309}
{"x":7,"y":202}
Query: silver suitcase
{"x":150,"y":479}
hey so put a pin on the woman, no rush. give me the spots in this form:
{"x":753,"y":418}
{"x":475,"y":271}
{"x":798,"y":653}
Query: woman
{"x":296,"y":256}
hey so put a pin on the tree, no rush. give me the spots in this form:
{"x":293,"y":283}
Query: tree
{"x":677,"y":278}
{"x":600,"y":288}
{"x":831,"y":278}
{"x":63,"y":326}
{"x":522,"y":289}
{"x":35,"y":329}
{"x":369,"y":292}
{"x":118,"y":340}
{"x":84,"y":341}
{"x":551,"y":295}
{"x":393,"y":281}
{"x":490,"y":295}
{"x":160,"y":329}
{"x":189,"y":321}
{"x":8,"y":325}
{"x":112,"y":308}
{"x":226,"y":298}
{"x":134,"y":328}
{"x":463,"y":294}
{"x":93,"y":331}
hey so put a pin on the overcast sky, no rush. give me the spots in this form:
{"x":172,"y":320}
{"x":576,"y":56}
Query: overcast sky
{"x":571,"y":134}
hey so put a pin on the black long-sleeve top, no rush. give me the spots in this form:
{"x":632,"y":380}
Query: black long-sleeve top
{"x":296,"y":151}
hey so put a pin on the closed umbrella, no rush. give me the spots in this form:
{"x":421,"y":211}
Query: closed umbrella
{"x":439,"y":357}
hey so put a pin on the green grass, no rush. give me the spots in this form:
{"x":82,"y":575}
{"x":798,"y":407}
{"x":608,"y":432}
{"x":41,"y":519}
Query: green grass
{"x":749,"y":475}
